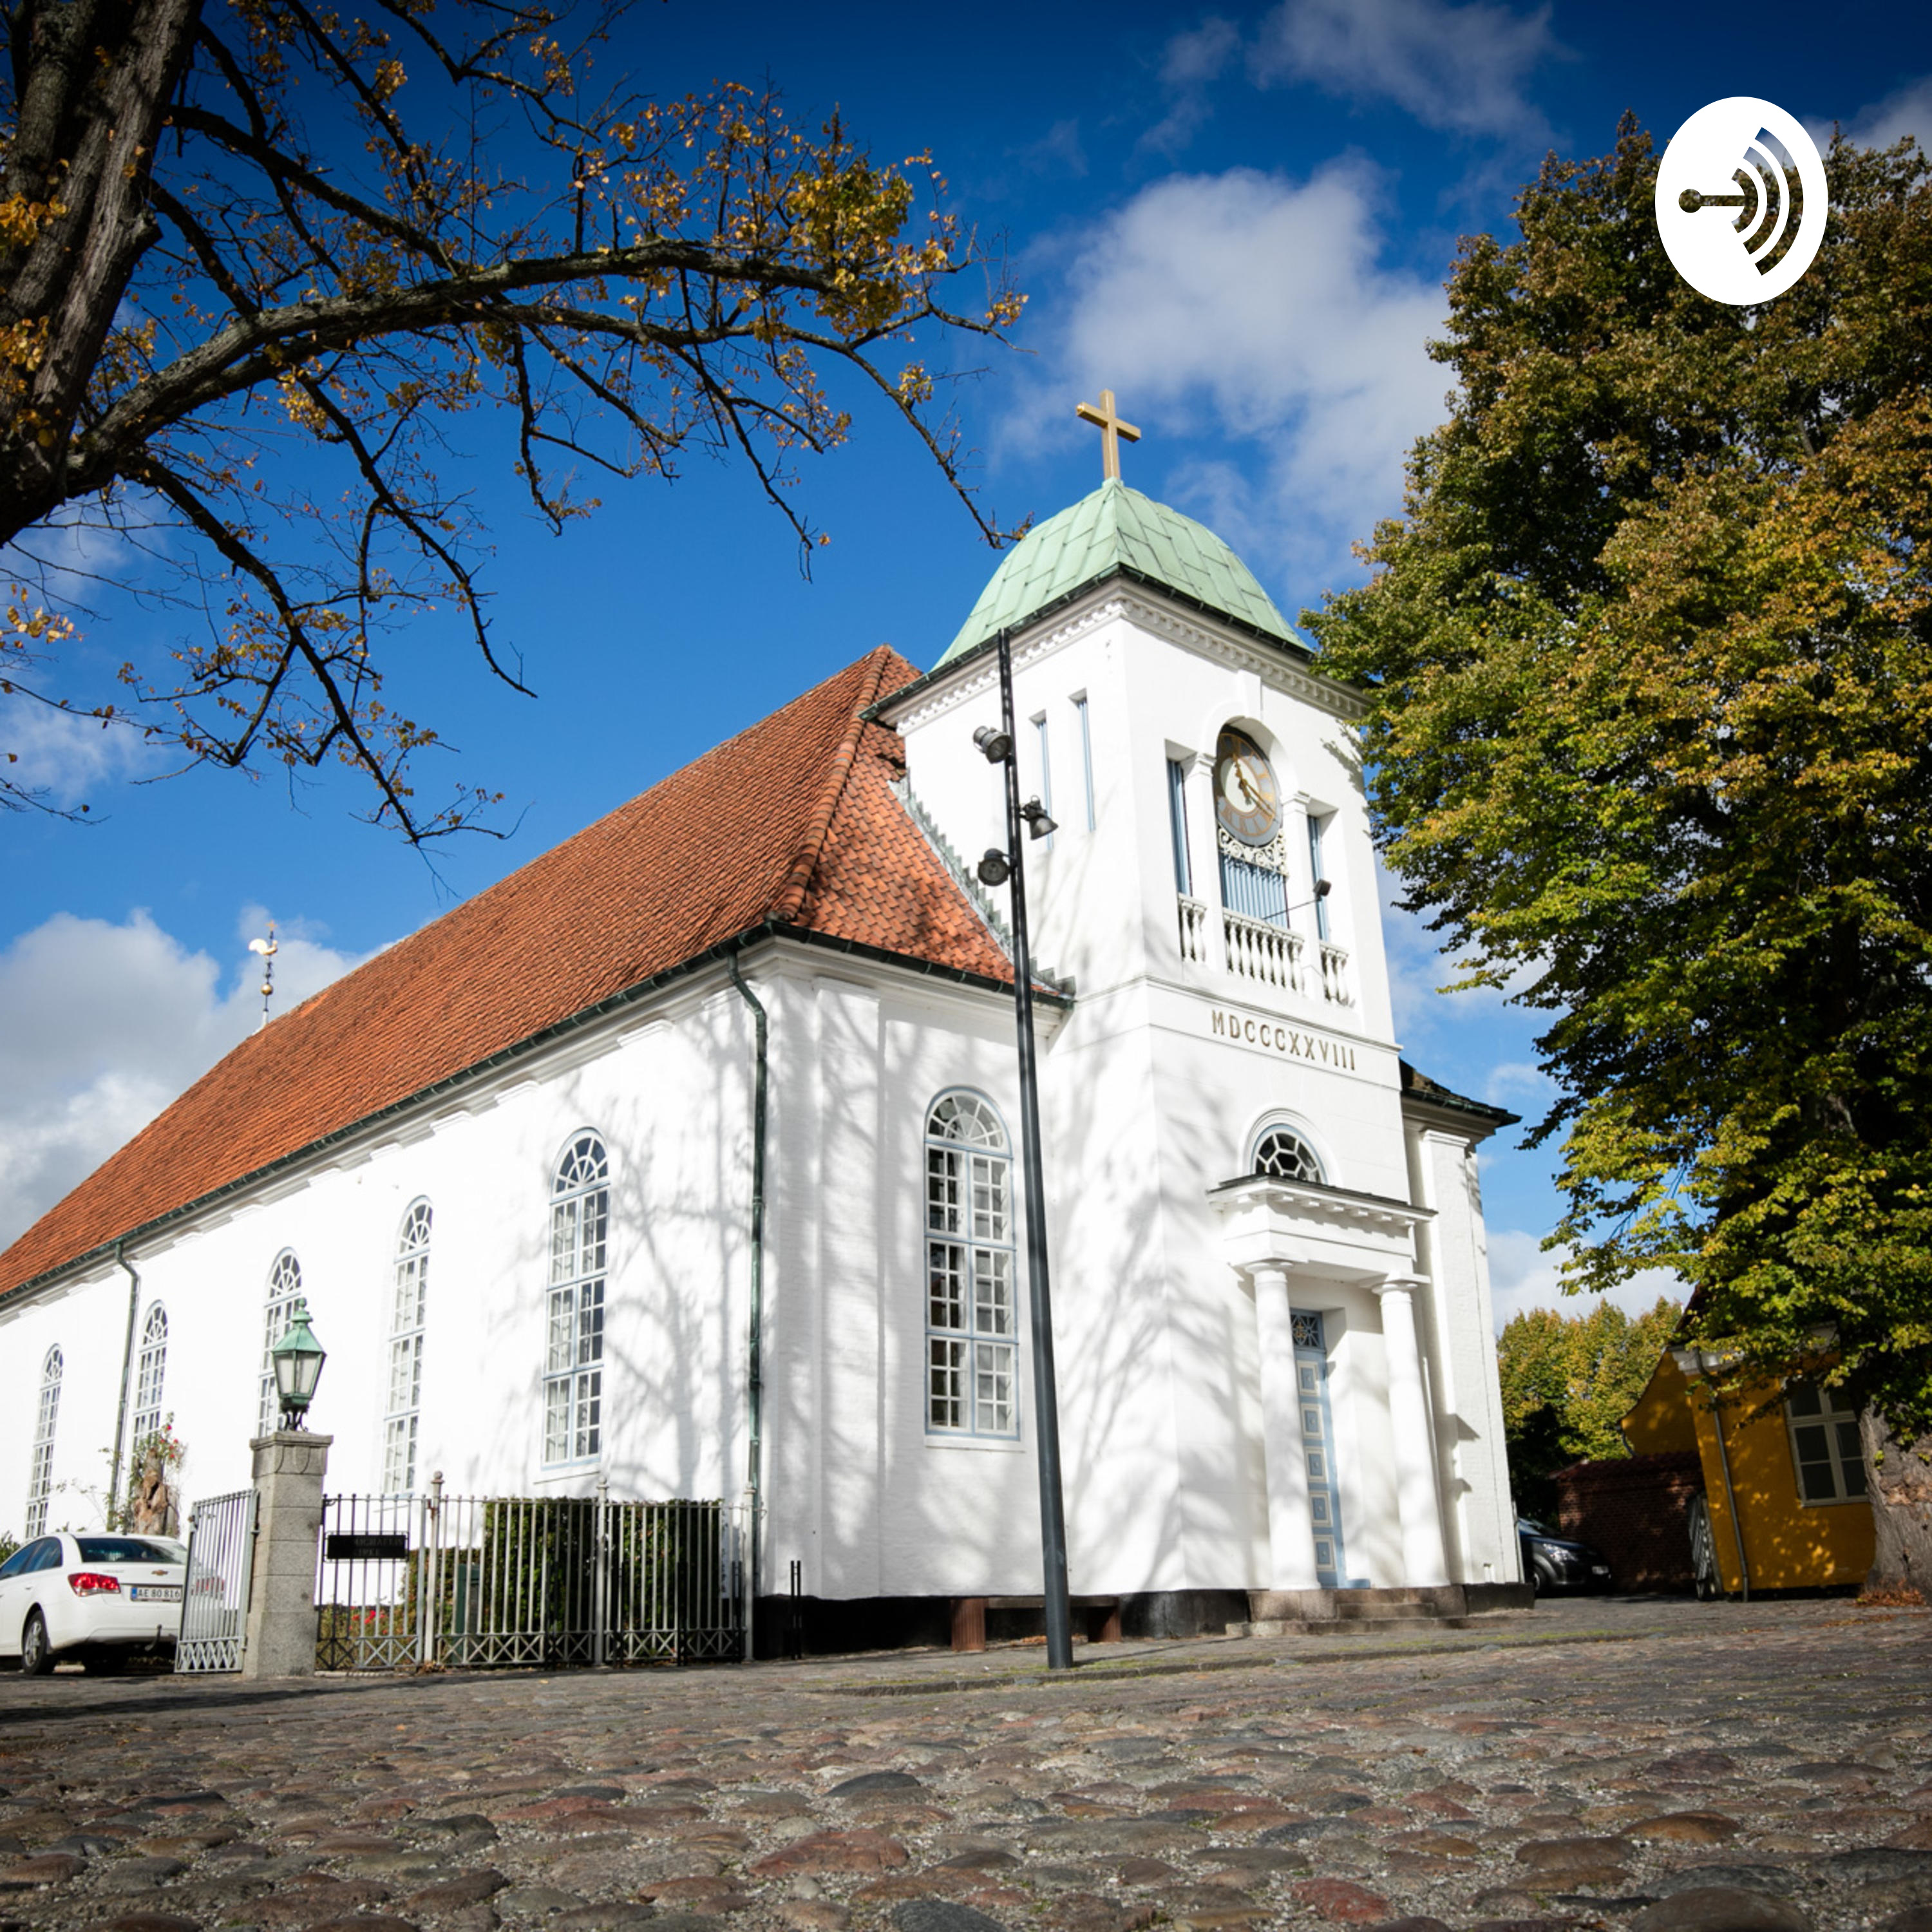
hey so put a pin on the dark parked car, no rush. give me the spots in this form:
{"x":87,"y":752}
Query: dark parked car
{"x":1553,"y":1562}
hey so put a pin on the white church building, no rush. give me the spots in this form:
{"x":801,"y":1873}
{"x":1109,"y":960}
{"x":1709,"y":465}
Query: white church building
{"x":510,"y":1161}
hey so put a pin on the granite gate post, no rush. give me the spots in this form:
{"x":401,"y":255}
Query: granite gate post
{"x":289,"y":1465}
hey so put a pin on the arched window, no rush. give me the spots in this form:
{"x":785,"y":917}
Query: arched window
{"x":971,"y":1351}
{"x":40,"y":1470}
{"x":1283,"y":1153}
{"x":580,"y":1225}
{"x":151,"y":1372}
{"x":408,"y":1302}
{"x":284,"y":1286}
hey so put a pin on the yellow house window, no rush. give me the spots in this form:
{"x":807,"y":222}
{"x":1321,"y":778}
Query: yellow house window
{"x":1824,"y":1445}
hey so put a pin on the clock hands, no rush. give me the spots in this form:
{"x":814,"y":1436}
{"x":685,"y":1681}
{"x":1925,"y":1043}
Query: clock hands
{"x":1246,"y":785}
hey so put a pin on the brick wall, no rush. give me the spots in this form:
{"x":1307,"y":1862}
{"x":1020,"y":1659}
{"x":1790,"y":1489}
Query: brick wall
{"x":1635,"y":1511}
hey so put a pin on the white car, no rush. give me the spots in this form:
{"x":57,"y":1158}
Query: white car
{"x":99,"y":1597}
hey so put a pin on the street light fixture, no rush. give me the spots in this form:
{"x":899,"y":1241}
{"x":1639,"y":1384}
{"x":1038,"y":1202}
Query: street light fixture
{"x":297,"y":1360}
{"x":999,"y":868}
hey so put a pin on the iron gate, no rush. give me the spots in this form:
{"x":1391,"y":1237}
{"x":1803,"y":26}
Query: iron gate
{"x":214,"y":1601}
{"x":474,"y":1582}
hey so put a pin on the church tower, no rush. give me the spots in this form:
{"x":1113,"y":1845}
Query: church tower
{"x":1270,"y":1286}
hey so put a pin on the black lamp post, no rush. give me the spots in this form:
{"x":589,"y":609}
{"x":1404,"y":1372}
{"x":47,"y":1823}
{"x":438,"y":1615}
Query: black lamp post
{"x":297,"y":1359}
{"x":998,"y":868}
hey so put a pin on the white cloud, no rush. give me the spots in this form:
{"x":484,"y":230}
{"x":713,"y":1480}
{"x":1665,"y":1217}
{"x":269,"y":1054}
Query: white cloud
{"x":1522,"y":1276}
{"x":1518,"y":1081}
{"x":1908,"y":111}
{"x":1058,"y":151}
{"x":1191,"y":62}
{"x":1459,"y":68}
{"x":105,"y":1024}
{"x":67,"y":760}
{"x":1262,"y":303}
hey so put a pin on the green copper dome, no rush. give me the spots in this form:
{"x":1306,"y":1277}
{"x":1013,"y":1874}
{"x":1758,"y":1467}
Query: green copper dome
{"x":1117,"y":528}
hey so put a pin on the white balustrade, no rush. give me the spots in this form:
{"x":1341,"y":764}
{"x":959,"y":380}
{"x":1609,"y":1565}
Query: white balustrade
{"x":1193,"y":928}
{"x":1257,"y":950}
{"x":1335,"y":975}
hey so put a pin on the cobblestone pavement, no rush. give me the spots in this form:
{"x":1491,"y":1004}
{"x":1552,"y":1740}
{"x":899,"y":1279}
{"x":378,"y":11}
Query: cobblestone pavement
{"x":1668,"y":1768}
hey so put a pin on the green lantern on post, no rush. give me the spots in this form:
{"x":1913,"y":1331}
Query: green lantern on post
{"x":297,"y":1360}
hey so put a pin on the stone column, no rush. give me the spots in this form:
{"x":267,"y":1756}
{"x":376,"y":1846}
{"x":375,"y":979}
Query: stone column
{"x":1411,"y":1437}
{"x":1290,"y":1529}
{"x":281,"y":1632}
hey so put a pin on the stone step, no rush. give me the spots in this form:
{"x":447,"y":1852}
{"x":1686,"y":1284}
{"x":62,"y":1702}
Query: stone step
{"x":1399,"y":1620}
{"x":1351,"y":1607}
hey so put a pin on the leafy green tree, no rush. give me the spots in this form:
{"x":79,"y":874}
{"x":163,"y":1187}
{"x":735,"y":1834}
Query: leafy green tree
{"x":259,"y":259}
{"x":1651,"y":653}
{"x":1567,"y":1380}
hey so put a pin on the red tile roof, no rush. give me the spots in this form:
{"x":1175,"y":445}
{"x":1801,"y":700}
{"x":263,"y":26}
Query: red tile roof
{"x":791,"y":822}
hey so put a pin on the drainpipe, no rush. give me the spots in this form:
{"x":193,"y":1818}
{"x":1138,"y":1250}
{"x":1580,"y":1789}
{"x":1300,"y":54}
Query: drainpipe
{"x":127,"y":1376}
{"x":1692,"y":1362}
{"x":1730,"y":1496}
{"x":754,"y":1366}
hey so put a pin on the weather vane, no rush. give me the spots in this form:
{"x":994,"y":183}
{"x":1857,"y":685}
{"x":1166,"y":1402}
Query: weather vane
{"x":1112,"y":428}
{"x":267,"y":949}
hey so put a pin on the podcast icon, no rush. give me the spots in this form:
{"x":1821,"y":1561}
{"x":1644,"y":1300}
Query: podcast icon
{"x":1741,"y":200}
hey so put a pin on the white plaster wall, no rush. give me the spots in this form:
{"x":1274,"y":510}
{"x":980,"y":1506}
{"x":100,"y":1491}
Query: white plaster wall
{"x":857,"y":1492}
{"x":671,"y":1102}
{"x":87,"y":1325}
{"x":1458,"y":1330}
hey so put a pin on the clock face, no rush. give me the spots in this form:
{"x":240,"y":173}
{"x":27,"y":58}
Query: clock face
{"x":1247,"y":800}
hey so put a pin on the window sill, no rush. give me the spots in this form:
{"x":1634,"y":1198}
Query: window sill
{"x":553,"y":1472}
{"x":946,"y":1438}
{"x":1830,"y":1502}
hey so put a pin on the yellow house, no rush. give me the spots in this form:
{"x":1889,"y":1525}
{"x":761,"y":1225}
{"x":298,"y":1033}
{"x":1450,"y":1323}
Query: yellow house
{"x":1784,"y":1505}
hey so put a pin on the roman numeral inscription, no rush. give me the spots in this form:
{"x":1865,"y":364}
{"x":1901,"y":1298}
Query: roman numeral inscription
{"x":1239,"y":1028}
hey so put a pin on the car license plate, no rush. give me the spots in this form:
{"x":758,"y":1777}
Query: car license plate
{"x":155,"y":1593}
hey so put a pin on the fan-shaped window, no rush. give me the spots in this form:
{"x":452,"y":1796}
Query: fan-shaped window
{"x":1284,"y":1154}
{"x":151,"y":1372}
{"x":580,"y":1224}
{"x":41,"y":1468}
{"x":972,"y":1351}
{"x":284,"y":1288}
{"x":408,"y":1302}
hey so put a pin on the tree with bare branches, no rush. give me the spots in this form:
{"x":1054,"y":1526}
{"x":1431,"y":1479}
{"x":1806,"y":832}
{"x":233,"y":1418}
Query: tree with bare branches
{"x":257,"y":257}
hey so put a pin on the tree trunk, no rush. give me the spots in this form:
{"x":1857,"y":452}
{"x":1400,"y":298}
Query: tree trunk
{"x":93,"y":80}
{"x":1898,"y":1478}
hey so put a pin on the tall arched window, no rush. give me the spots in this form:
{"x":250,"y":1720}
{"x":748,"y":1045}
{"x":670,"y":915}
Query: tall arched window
{"x":1282,"y":1152}
{"x":151,"y":1372}
{"x":579,"y":1226}
{"x":971,"y":1352}
{"x":408,"y":1302}
{"x":284,"y":1285}
{"x":40,"y":1470}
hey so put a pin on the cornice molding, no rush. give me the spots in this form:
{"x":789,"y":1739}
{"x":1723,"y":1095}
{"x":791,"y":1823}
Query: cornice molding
{"x":948,"y":688}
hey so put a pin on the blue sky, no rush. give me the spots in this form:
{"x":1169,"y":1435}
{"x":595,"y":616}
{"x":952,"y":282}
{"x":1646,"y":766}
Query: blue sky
{"x":1239,"y":219}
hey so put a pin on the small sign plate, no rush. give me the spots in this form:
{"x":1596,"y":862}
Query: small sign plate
{"x":365,"y":1547}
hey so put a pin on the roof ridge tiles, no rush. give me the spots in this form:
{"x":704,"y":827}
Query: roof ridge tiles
{"x":790,"y":901}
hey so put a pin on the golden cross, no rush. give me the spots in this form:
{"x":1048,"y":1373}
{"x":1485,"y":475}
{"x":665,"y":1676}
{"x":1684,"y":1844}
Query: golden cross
{"x":1112,"y":428}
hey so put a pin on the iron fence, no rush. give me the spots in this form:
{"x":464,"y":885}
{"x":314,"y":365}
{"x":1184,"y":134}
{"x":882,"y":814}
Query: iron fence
{"x":476,"y":1581}
{"x":214,"y":1598}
